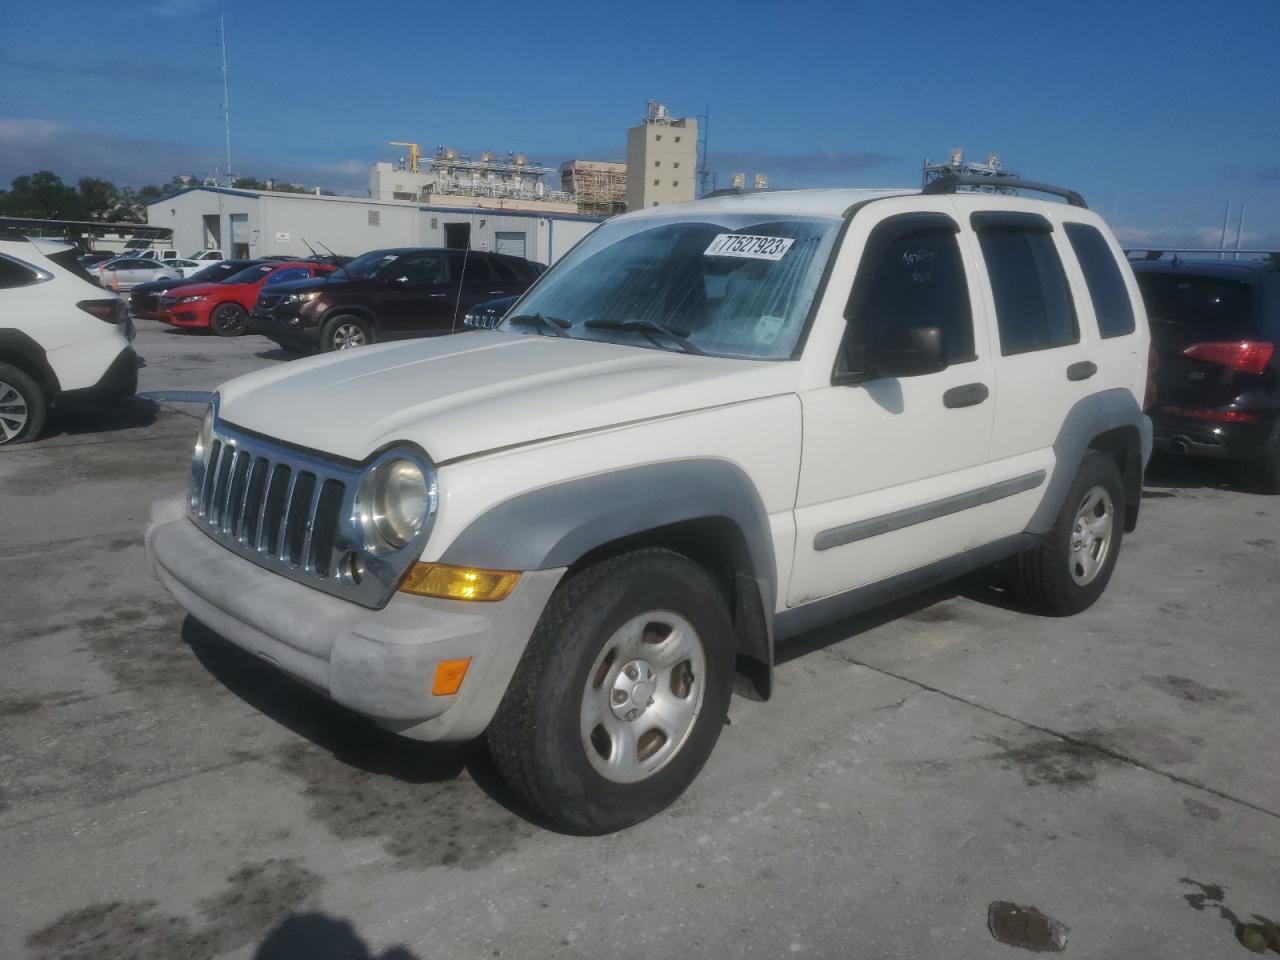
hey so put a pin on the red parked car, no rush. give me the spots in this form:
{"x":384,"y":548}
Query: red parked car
{"x":223,"y":307}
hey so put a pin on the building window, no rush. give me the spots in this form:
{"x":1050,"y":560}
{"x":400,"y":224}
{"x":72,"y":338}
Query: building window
{"x":675,"y":183}
{"x":375,"y":218}
{"x":676,"y":164}
{"x":657,"y":163}
{"x":677,"y":139}
{"x":659,"y":137}
{"x":656,"y":182}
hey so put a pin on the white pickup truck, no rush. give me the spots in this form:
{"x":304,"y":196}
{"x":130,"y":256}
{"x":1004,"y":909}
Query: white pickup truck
{"x":711,"y":426}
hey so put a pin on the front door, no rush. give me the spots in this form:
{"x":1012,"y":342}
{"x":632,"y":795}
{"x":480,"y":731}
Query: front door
{"x":415,"y":296}
{"x":894,"y":467}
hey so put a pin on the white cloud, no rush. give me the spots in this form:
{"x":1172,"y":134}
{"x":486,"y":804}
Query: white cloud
{"x":1204,"y":237}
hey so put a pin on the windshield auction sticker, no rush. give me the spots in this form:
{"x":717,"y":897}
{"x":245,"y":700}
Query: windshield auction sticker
{"x":748,"y":246}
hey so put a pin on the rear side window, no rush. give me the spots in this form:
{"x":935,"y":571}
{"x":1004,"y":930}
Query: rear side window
{"x":1033,"y":303}
{"x":912,"y":276}
{"x":16,"y":274}
{"x":1103,"y":278}
{"x":292,"y":273}
{"x":1212,"y":307}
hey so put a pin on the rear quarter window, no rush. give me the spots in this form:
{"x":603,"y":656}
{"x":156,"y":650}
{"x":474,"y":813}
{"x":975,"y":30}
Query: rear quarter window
{"x":1215,"y":307}
{"x":1033,"y":302}
{"x":16,"y":274}
{"x":1102,"y":276}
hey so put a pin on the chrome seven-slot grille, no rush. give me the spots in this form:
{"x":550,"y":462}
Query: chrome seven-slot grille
{"x":292,"y":513}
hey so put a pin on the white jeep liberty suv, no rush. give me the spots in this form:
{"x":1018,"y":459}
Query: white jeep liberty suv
{"x":707,"y":428}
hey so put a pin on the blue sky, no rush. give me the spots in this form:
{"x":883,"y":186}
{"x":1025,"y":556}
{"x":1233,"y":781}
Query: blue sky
{"x":1160,"y":113}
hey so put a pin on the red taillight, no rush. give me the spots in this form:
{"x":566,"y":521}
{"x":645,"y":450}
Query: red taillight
{"x":1247,"y":356}
{"x":1217,"y":416}
{"x":1153,"y":362}
{"x":112,"y":310}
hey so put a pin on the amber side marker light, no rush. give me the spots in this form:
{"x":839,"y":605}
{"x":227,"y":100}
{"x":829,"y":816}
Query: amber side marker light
{"x":449,"y":676}
{"x":459,"y":583}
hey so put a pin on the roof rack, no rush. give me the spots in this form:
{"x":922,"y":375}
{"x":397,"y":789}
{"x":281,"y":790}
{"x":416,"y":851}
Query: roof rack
{"x":952,"y":181}
{"x":1153,"y":253}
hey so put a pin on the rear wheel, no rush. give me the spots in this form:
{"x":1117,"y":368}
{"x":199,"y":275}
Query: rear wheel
{"x":346,"y":332}
{"x":22,"y":406}
{"x":621,"y":694}
{"x":228,"y":319}
{"x":1071,"y":567}
{"x":1266,"y":470}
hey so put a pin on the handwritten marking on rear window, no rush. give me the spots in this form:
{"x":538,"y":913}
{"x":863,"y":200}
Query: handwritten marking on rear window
{"x":748,"y":246}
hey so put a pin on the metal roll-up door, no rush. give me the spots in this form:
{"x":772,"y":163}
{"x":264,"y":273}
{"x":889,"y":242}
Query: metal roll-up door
{"x":510,"y":242}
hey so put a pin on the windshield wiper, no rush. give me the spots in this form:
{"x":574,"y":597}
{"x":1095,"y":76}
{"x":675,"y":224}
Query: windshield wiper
{"x":650,"y":329}
{"x":553,"y":325}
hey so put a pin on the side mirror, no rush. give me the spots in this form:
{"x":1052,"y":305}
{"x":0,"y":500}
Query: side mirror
{"x":903,"y":351}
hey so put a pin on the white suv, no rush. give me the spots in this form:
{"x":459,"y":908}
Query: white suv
{"x":62,"y":337}
{"x":709,"y":427}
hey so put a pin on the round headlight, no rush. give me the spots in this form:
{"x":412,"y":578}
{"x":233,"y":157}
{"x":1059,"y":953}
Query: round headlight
{"x":400,"y":500}
{"x":205,"y":437}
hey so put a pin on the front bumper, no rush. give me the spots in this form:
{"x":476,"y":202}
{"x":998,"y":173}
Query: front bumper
{"x":282,"y":331}
{"x":379,"y":663}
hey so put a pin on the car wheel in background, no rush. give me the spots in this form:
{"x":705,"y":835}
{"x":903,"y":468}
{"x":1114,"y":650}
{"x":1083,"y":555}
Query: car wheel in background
{"x":22,"y":406}
{"x":1068,"y":571}
{"x":345,"y":332}
{"x":227,"y":319}
{"x":621,"y":694}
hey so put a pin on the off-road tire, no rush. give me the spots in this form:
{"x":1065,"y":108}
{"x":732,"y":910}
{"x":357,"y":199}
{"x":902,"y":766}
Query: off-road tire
{"x":1040,"y":578}
{"x":228,"y":319}
{"x":331,"y":335}
{"x":32,"y":397}
{"x":535,"y":735}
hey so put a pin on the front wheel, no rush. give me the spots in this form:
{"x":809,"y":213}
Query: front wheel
{"x":228,"y":319}
{"x":1068,"y":571}
{"x":22,"y":406}
{"x":345,"y":333}
{"x":621,"y":694}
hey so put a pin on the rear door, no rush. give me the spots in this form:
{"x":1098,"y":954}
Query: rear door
{"x":1046,"y":357}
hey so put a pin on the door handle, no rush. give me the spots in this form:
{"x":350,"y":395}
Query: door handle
{"x":496,"y":293}
{"x":437,"y":296}
{"x":1082,"y":370}
{"x":968,"y":395}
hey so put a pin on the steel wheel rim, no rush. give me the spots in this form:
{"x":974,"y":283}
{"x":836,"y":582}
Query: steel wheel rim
{"x":13,"y":412}
{"x":348,"y":335}
{"x":1092,"y":533}
{"x":642,"y":696}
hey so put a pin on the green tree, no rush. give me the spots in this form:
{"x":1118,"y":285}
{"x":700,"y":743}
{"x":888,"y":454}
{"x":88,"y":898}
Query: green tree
{"x":98,"y":198}
{"x":43,"y":195}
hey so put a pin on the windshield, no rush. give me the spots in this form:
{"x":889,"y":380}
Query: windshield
{"x":250,"y":274}
{"x":732,"y":285}
{"x":367,"y":264}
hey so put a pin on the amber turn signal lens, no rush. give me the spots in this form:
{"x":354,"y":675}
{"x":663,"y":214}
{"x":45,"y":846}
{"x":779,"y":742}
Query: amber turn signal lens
{"x":449,"y":676}
{"x":459,"y":583}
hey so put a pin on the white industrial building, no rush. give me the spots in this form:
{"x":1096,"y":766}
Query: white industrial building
{"x":257,"y":223}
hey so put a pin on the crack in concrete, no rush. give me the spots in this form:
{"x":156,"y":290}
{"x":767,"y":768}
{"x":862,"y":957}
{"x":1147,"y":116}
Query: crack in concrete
{"x":1109,"y":752}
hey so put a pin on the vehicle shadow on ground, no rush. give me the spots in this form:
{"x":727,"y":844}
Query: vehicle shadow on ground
{"x":279,"y":353}
{"x":80,"y":419}
{"x":349,"y":738}
{"x":319,"y":936}
{"x":1167,"y":474}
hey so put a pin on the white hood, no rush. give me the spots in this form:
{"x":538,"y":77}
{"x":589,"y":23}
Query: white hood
{"x":474,"y":392}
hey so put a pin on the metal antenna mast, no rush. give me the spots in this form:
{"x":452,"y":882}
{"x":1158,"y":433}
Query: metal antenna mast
{"x":226,"y":92}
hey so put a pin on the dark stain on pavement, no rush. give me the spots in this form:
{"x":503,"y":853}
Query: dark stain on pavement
{"x":409,"y":794}
{"x":1187,"y":689}
{"x":1025,"y":927}
{"x":257,"y":895}
{"x":1052,"y":760}
{"x":20,"y":706}
{"x":1262,"y":543}
{"x":1258,"y":935}
{"x":1201,"y":810}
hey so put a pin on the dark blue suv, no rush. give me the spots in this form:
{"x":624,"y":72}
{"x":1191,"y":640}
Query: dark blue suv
{"x":1215,"y":326}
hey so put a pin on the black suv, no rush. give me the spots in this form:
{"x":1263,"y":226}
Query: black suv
{"x":387,"y":295}
{"x":1215,"y":325}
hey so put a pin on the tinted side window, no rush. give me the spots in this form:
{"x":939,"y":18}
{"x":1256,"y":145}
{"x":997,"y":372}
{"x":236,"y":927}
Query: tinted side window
{"x":504,"y":271}
{"x":293,"y":273}
{"x":480,"y":270}
{"x":418,"y":271}
{"x":1033,"y":303}
{"x":912,"y":276}
{"x":1103,"y":278}
{"x":14,"y":274}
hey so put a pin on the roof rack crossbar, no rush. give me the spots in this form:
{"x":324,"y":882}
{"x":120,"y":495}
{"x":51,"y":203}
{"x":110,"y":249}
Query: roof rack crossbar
{"x":952,"y":181}
{"x":1155,"y":253}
